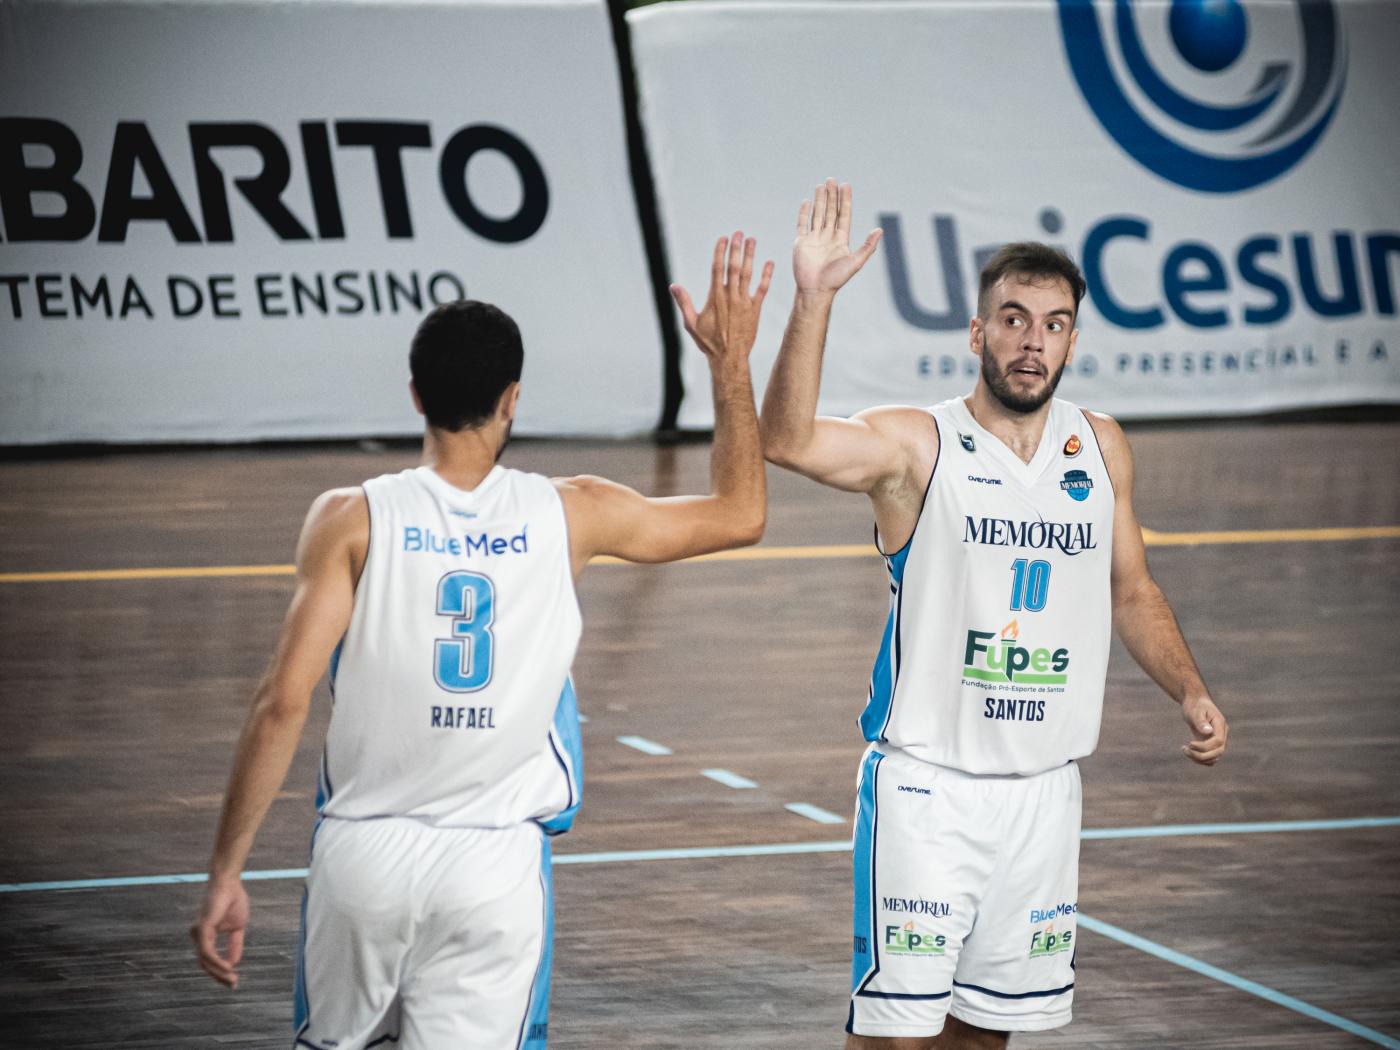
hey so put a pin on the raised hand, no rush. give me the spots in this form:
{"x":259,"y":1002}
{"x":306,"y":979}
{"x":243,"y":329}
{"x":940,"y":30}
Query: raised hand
{"x":726,"y":328}
{"x":822,"y":260}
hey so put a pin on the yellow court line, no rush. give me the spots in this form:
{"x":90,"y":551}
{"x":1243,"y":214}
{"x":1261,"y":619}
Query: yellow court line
{"x":1150,"y":537}
{"x":1181,"y":539}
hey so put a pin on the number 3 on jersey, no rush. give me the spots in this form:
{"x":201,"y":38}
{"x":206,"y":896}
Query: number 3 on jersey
{"x":462,"y":663}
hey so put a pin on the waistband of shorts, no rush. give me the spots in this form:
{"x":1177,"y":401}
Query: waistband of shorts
{"x":890,"y":751}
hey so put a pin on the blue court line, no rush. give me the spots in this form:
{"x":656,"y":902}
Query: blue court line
{"x":770,"y":850}
{"x":727,"y":778}
{"x":811,"y":812}
{"x":1174,"y":830}
{"x":642,"y":744}
{"x":1176,"y":958}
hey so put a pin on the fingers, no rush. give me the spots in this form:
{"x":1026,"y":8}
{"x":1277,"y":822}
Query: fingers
{"x":736,"y":256}
{"x":687,"y":308}
{"x":867,"y":249}
{"x":843,"y":213}
{"x":717,"y":265}
{"x":746,"y":274}
{"x":205,"y":938}
{"x":764,"y":281}
{"x":819,"y":208}
{"x":804,"y":218}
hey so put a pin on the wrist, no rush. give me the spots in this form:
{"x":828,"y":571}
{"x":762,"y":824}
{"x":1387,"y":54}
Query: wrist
{"x":813,"y":299}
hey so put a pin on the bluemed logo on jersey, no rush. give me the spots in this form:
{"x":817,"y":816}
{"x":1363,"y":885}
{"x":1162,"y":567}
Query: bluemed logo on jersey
{"x":1217,"y":138}
{"x":967,"y":441}
{"x":482,"y":545}
{"x":1077,"y":483}
{"x":1051,"y":912}
{"x":1073,"y":446}
{"x":1048,"y":942}
{"x":917,"y":906}
{"x":988,"y":658}
{"x":1073,"y":537}
{"x":913,"y":939}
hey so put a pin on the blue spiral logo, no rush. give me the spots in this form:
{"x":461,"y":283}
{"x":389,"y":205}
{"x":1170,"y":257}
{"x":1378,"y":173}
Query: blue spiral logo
{"x":1257,"y":137}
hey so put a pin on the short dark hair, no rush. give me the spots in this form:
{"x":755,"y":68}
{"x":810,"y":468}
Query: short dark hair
{"x":463,"y":356}
{"x":1029,"y":259}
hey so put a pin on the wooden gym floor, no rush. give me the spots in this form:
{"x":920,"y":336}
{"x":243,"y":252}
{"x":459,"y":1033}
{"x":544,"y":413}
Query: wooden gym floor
{"x":123,"y":695}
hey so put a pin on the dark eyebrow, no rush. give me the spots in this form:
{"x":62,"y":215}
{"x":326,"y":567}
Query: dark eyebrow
{"x":1012,"y":304}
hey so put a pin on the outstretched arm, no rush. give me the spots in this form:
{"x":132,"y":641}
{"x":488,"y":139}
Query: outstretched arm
{"x":1142,"y":616}
{"x":329,"y":555}
{"x":608,"y":518}
{"x":855,"y":454}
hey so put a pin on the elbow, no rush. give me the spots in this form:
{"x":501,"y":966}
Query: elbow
{"x":750,"y":530}
{"x":778,"y":451}
{"x":281,"y":706}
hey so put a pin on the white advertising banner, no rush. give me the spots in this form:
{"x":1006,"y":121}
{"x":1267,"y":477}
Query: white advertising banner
{"x":1225,"y":175}
{"x":223,"y":221}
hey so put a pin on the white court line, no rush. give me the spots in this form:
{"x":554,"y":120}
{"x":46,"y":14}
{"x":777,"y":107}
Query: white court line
{"x":645,"y":746}
{"x":811,"y":812}
{"x":776,"y":849}
{"x":728,"y":779}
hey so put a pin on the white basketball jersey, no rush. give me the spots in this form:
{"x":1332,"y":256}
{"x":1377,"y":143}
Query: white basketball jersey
{"x":452,"y":700}
{"x":994,"y":656}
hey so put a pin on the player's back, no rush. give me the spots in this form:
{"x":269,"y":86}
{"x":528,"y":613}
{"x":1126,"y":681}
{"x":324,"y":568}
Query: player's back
{"x":451,"y":695}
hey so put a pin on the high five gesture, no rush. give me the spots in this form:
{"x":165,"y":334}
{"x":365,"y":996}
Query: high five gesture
{"x":822,"y":260}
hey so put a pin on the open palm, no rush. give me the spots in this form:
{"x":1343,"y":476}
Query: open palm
{"x":822,"y":260}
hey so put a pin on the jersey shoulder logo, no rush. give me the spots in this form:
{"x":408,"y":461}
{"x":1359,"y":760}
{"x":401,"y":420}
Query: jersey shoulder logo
{"x":967,"y":441}
{"x":1077,"y":483}
{"x":1073,"y":446}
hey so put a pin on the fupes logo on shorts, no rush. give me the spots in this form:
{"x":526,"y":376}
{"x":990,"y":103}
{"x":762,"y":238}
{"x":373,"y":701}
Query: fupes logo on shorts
{"x":1048,"y":942}
{"x":912,"y":939}
{"x":989,"y":659}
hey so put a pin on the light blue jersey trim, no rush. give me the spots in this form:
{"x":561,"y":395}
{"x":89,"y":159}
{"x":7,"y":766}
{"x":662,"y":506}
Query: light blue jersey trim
{"x":534,"y":1029}
{"x":566,"y":740}
{"x":883,"y":679}
{"x":865,"y":964}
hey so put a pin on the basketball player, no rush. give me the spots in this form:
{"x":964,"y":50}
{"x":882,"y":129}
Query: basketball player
{"x":443,"y":599}
{"x":1006,"y":522}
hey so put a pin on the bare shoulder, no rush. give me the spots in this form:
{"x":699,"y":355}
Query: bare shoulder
{"x":585,"y":490}
{"x":1113,"y":443}
{"x":900,"y":422}
{"x":338,"y":515}
{"x":916,"y":434}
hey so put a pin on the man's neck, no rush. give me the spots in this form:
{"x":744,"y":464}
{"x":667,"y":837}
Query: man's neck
{"x":464,"y":458}
{"x":1019,"y":431}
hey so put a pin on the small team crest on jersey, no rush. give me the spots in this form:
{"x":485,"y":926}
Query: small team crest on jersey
{"x":1073,"y":446}
{"x":1077,"y":483}
{"x":967,"y":441}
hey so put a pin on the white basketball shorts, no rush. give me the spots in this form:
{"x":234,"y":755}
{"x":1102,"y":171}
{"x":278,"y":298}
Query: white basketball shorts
{"x":966,"y":889}
{"x":420,"y":938}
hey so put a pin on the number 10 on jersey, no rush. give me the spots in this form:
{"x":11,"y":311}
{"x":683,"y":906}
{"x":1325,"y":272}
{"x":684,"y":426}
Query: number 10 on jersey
{"x":1030,"y":585}
{"x":462,"y":663}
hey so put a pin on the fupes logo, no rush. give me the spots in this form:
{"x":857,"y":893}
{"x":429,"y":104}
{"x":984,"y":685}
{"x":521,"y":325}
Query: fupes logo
{"x":987,"y":660}
{"x":1254,"y":138}
{"x":42,"y":159}
{"x":1048,"y":942}
{"x":911,"y":939}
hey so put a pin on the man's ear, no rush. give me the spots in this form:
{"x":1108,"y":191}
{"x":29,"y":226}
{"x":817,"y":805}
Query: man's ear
{"x":510,"y":398}
{"x":975,"y":336}
{"x":417,"y":401}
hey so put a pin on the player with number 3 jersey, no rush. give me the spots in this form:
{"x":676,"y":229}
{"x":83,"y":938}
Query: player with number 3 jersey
{"x":1005,"y":520}
{"x":443,"y":600}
